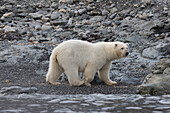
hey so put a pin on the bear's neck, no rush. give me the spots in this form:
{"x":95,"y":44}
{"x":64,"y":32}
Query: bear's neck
{"x":109,"y":50}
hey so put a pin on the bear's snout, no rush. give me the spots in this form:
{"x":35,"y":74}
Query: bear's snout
{"x":127,"y":53}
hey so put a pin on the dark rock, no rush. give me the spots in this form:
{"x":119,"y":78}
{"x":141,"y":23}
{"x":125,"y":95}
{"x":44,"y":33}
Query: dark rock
{"x":3,"y":60}
{"x":161,"y":28}
{"x":96,"y":80}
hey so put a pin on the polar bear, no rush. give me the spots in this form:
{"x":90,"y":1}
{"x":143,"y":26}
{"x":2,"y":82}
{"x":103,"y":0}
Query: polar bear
{"x":76,"y":56}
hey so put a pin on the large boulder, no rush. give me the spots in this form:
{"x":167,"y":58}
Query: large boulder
{"x":157,"y":82}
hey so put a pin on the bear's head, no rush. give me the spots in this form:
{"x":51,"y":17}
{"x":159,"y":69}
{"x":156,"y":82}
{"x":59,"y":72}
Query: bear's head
{"x":121,"y":49}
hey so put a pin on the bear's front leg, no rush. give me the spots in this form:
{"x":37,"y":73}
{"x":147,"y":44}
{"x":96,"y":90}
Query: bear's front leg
{"x":104,"y":74}
{"x":73,"y":77}
{"x":89,"y":74}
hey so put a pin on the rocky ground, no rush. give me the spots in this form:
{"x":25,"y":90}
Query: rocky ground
{"x":29,"y":30}
{"x":157,"y":82}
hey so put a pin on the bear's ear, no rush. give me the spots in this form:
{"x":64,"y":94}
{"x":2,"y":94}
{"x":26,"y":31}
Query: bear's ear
{"x":115,"y":45}
{"x":127,"y":44}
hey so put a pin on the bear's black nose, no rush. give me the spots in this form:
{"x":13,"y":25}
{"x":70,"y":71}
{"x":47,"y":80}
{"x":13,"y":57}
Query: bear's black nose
{"x":127,"y":53}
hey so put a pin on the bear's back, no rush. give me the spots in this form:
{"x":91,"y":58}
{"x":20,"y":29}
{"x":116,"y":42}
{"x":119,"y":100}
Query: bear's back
{"x":75,"y":44}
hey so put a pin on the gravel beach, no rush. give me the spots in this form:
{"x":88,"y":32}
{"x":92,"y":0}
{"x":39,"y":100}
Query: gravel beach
{"x":29,"y":30}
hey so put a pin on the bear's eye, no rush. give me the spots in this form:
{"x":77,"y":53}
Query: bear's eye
{"x":122,"y":48}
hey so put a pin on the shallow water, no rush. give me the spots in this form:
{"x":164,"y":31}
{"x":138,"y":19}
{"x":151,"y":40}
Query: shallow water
{"x":39,"y":103}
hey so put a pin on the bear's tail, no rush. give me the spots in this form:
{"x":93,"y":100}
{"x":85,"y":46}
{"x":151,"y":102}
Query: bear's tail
{"x":54,"y":70}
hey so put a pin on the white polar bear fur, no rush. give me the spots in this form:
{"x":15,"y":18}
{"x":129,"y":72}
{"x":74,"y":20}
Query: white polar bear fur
{"x":76,"y":56}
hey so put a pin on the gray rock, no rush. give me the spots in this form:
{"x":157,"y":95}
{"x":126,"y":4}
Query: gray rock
{"x":105,"y":12}
{"x":113,"y":10}
{"x":17,"y":54}
{"x":23,"y":31}
{"x":69,"y":1}
{"x":70,"y":21}
{"x":147,"y":1}
{"x":56,"y":23}
{"x":66,"y":1}
{"x":133,"y":38}
{"x":143,"y":16}
{"x":35,"y":15}
{"x":148,"y":27}
{"x":112,"y":5}
{"x":38,"y":27}
{"x":107,"y":23}
{"x":1,"y":30}
{"x":2,"y":8}
{"x":163,"y":48}
{"x":95,"y":19}
{"x":112,"y":16}
{"x":9,"y":29}
{"x":54,"y":5}
{"x":167,"y":71}
{"x":65,"y":35}
{"x":45,"y":19}
{"x":129,"y":80}
{"x":82,"y":11}
{"x":7,"y":15}
{"x":90,"y":1}
{"x":18,"y":90}
{"x":55,"y":15}
{"x":117,"y":23}
{"x":22,"y":14}
{"x":40,"y":72}
{"x":8,"y":6}
{"x":157,"y":84}
{"x":150,"y":53}
{"x":46,"y":27}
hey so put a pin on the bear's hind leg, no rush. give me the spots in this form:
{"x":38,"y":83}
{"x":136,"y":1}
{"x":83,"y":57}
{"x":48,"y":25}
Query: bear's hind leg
{"x":89,"y":75}
{"x":53,"y":75}
{"x":73,"y":77}
{"x":104,"y":74}
{"x":54,"y":70}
